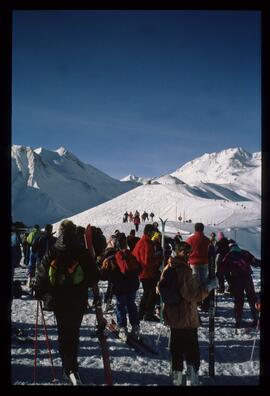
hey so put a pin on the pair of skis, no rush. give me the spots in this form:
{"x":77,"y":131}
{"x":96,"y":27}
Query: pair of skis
{"x":101,"y":321}
{"x":211,"y":346}
{"x":138,"y":343}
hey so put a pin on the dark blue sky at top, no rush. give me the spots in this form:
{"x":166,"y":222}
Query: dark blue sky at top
{"x":139,"y":92}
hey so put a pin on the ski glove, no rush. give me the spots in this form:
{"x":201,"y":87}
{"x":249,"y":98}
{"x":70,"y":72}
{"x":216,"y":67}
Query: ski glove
{"x":212,"y":284}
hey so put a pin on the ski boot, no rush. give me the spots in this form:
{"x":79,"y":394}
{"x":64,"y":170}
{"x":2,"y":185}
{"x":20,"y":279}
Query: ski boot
{"x":192,"y":378}
{"x":72,"y":377}
{"x":177,"y":378}
{"x":135,"y":331}
{"x":123,"y":333}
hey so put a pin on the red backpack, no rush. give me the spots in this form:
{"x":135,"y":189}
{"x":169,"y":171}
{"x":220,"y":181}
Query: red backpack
{"x":126,"y":262}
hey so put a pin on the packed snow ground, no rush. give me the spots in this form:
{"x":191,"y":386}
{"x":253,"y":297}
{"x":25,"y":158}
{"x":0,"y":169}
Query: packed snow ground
{"x":233,"y":352}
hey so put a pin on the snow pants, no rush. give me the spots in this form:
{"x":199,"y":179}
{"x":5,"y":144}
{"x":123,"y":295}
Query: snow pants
{"x":109,"y":294}
{"x":32,"y":263}
{"x":222,"y":277}
{"x":68,"y":326}
{"x":26,"y":253}
{"x":125,"y":304}
{"x":148,"y":300}
{"x":201,"y":271}
{"x":244,"y":285}
{"x":184,"y":345}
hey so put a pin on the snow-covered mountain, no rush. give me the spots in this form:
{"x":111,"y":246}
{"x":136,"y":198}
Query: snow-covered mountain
{"x":234,"y":205}
{"x":136,"y":179}
{"x":220,"y":188}
{"x":226,"y":166}
{"x":51,"y":185}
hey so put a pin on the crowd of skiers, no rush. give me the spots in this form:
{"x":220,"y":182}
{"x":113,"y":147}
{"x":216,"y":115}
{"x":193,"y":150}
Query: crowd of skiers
{"x":60,"y":271}
{"x":136,"y":218}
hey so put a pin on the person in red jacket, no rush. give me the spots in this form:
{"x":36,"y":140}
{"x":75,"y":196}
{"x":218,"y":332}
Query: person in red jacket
{"x":198,"y":258}
{"x":136,"y":221}
{"x":145,"y":254}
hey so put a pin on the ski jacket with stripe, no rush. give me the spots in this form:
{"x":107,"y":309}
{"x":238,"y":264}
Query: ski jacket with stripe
{"x":145,"y":255}
{"x":65,"y":252}
{"x":199,"y":248}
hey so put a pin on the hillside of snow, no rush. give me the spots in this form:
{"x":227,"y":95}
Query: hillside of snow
{"x":49,"y":185}
{"x":235,"y":211}
{"x":222,"y":190}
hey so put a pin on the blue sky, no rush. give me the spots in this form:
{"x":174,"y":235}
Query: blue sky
{"x":139,"y":92}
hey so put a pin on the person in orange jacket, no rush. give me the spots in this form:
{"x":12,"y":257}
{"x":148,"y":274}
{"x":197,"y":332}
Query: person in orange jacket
{"x":145,"y":255}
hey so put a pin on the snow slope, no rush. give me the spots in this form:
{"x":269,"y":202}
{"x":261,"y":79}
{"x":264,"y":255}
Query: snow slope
{"x":168,"y":202}
{"x":49,"y":185}
{"x":222,"y":190}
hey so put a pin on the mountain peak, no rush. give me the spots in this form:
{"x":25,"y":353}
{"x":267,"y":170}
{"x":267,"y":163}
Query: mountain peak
{"x":61,"y":151}
{"x":225,"y":166}
{"x":136,"y":179}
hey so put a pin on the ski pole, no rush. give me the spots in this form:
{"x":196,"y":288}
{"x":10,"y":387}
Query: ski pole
{"x":159,"y":334}
{"x":47,"y":341}
{"x":255,"y":339}
{"x":169,"y":340}
{"x":35,"y":345}
{"x":160,"y":331}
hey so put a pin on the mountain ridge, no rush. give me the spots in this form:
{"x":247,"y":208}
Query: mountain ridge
{"x":57,"y":184}
{"x":48,"y":185}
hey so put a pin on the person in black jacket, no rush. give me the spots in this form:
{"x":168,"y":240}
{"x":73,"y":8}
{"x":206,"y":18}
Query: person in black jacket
{"x":238,"y":262}
{"x":132,"y":240}
{"x":222,"y":248}
{"x":63,"y":278}
{"x":44,"y":243}
{"x":111,"y":248}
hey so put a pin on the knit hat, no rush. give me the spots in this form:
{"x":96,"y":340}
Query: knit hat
{"x":220,"y":235}
{"x":232,"y":242}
